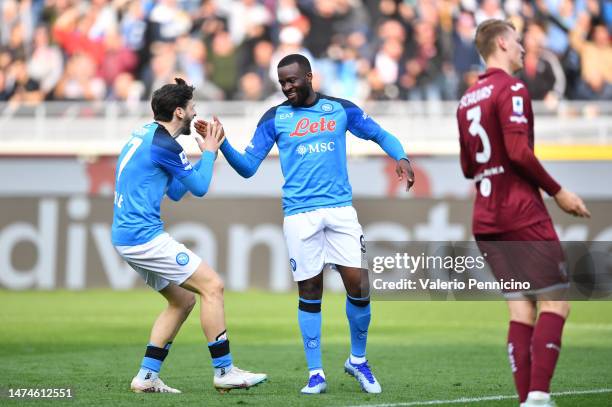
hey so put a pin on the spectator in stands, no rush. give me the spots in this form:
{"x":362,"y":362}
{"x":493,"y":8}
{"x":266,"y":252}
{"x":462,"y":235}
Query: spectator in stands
{"x":118,"y":58}
{"x":169,"y":21}
{"x":489,"y":9}
{"x":222,"y":63}
{"x":129,"y":91}
{"x":162,"y":69}
{"x":262,"y":58}
{"x":46,"y":63}
{"x":595,"y":53}
{"x":22,"y":89}
{"x":356,"y":44}
{"x":291,"y":40}
{"x":247,"y":18}
{"x":562,"y":16}
{"x":4,"y":91}
{"x":251,"y":87}
{"x":70,"y":31}
{"x":466,"y":60}
{"x":191,"y":58}
{"x":421,"y":77}
{"x":542,"y":72}
{"x":79,"y":81}
{"x":133,"y":25}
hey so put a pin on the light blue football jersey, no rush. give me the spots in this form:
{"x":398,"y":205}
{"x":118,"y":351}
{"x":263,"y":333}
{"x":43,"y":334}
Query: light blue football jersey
{"x":145,"y":168}
{"x":312,"y":145}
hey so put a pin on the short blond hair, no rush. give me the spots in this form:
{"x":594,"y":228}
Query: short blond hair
{"x":486,"y":34}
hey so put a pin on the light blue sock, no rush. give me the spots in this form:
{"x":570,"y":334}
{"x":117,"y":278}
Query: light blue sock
{"x":309,"y":319}
{"x":358,"y":314}
{"x":220,"y":354}
{"x":152,"y":361}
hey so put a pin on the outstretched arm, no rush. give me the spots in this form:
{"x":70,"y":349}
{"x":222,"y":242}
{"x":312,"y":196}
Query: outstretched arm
{"x":247,"y":163}
{"x":364,"y":127}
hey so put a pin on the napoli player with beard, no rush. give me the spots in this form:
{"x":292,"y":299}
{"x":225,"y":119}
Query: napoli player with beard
{"x":153,"y":164}
{"x":496,"y":135}
{"x":320,"y":223}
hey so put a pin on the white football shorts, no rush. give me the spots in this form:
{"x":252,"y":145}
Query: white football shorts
{"x":324,"y":236}
{"x":161,"y":261}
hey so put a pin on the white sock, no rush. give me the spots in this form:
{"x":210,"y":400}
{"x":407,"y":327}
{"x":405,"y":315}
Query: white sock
{"x":221,"y":371}
{"x":147,"y":374}
{"x":357,"y":360}
{"x":538,"y":395}
{"x":315,"y":371}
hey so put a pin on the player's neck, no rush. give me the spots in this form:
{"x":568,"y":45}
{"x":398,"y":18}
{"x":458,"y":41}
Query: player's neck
{"x":312,"y":97}
{"x":171,"y":127}
{"x":495,"y":63}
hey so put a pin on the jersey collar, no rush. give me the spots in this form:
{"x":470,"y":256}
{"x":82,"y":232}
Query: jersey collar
{"x":159,"y":125}
{"x":317,"y":97}
{"x":491,"y":72}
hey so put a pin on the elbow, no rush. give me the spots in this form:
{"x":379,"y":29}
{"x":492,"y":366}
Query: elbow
{"x":200,"y":192}
{"x":246,"y":172}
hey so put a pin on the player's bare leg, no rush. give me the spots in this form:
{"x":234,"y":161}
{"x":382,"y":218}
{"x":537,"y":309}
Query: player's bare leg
{"x":309,"y":319}
{"x":358,"y":313}
{"x":545,"y":349}
{"x":165,"y":328}
{"x":206,"y":282}
{"x":168,"y":323}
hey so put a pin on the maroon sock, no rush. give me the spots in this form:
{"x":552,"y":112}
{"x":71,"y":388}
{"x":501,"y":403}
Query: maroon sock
{"x":545,"y":349}
{"x":519,"y":343}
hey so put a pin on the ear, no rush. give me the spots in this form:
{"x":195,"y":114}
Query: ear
{"x":309,"y":76}
{"x":502,"y":42}
{"x":179,"y":113}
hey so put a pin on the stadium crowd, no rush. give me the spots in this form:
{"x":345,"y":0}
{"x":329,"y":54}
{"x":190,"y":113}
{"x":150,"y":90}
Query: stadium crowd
{"x":360,"y":49}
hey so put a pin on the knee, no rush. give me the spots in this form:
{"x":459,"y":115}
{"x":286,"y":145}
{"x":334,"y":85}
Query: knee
{"x":524,"y":312}
{"x":557,"y":307}
{"x":185,"y":305}
{"x":213,"y":288}
{"x":310,"y":289}
{"x":189,"y":304}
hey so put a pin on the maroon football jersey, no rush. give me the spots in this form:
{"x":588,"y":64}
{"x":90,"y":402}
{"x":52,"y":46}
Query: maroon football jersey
{"x":495,"y":121}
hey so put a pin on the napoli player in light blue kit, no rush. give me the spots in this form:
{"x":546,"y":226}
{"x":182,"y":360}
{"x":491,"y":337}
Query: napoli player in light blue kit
{"x":320,"y":224}
{"x":153,"y":164}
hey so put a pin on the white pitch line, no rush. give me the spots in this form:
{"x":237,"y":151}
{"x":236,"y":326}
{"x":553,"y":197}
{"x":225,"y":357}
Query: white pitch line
{"x":478,"y":399}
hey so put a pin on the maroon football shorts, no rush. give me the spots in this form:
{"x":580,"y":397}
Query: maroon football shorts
{"x":532,"y":254}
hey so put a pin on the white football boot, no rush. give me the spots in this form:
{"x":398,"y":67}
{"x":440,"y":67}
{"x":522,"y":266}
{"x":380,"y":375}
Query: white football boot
{"x":364,"y":376}
{"x":316,"y":385}
{"x":151,"y":386}
{"x":539,"y":399}
{"x":235,"y":378}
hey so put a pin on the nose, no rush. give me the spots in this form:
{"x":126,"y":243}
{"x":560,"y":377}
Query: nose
{"x":287,"y":87}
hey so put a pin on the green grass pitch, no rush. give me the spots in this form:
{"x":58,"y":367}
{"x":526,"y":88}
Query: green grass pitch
{"x":93,"y":341}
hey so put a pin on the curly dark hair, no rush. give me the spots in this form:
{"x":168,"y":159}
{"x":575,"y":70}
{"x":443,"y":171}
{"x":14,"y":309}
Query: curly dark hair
{"x":166,"y":99}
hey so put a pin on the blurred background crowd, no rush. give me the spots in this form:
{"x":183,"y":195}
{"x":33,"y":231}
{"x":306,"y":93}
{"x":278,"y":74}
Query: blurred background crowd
{"x":360,"y":49}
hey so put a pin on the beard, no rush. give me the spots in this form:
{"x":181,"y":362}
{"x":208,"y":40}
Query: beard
{"x":186,"y":129}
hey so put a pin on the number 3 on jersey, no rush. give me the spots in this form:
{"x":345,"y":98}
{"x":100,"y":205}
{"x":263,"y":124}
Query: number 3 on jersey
{"x":476,"y":129}
{"x":474,"y":115}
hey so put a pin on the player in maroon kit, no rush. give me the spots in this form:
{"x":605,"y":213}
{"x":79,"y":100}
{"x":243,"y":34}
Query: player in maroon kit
{"x":495,"y":121}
